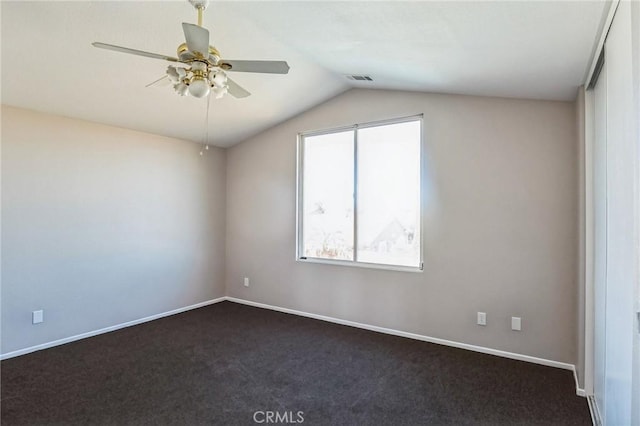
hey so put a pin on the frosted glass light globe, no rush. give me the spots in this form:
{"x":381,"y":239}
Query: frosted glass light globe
{"x":199,"y":88}
{"x":176,"y":74}
{"x":219,"y":92}
{"x":220,"y":79}
{"x":173,"y":74}
{"x":181,"y":89}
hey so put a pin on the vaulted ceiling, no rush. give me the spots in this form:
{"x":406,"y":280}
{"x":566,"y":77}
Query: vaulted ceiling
{"x":532,"y":49}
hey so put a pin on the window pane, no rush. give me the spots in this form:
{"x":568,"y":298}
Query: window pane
{"x":389,"y":194}
{"x":327,"y":223}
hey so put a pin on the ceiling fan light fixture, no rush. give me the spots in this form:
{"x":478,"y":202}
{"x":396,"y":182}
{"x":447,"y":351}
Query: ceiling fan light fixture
{"x":173,"y":74}
{"x":176,"y":74}
{"x":199,"y":88}
{"x":219,"y":79}
{"x":201,"y":68}
{"x":181,"y":89}
{"x":219,"y":92}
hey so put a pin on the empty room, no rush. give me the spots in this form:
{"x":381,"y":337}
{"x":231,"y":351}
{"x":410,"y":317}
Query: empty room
{"x":320,"y":212}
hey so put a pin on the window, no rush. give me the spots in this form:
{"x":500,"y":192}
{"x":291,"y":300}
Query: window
{"x":359,"y":195}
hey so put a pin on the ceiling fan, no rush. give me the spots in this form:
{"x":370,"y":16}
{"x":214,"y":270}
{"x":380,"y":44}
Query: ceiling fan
{"x":202,"y":70}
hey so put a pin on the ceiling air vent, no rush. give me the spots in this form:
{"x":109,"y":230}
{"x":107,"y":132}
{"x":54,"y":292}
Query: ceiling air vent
{"x":359,"y":77}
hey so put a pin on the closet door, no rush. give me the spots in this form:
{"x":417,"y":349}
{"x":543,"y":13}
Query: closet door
{"x":600,"y":237}
{"x":615,"y":263}
{"x":620,"y":220}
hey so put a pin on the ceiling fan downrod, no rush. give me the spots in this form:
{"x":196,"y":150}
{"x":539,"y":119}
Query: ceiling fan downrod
{"x":200,"y":6}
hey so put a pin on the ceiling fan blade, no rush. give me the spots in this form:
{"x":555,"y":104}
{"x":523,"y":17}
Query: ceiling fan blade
{"x":270,"y":67}
{"x":133,"y":51}
{"x":161,"y":82}
{"x":236,"y":90}
{"x":197,"y":39}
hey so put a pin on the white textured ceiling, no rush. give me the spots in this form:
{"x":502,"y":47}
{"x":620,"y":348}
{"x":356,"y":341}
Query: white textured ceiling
{"x":532,"y":49}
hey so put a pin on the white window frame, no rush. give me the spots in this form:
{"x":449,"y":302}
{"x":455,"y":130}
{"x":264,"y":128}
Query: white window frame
{"x":299,"y":195}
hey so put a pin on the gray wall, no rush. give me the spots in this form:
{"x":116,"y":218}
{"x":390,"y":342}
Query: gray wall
{"x":103,"y":225}
{"x":500,"y":229}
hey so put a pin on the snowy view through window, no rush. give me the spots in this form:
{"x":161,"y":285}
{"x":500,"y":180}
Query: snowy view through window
{"x":387,"y":227}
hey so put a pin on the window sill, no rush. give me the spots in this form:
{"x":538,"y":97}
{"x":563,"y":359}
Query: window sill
{"x":397,"y":268}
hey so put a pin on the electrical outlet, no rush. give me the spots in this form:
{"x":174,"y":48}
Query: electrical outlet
{"x":516,"y":323}
{"x":246,"y":281}
{"x":37,"y":316}
{"x":482,"y":318}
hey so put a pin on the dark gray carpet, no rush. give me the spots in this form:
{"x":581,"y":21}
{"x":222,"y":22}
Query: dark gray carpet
{"x":222,"y":363}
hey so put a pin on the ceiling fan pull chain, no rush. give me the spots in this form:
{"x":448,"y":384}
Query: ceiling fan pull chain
{"x":207,"y":130}
{"x":205,"y":139}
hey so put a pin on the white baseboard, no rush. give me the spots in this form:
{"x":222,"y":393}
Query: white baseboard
{"x":474,"y":348}
{"x":481,"y":349}
{"x":107,"y":329}
{"x":579,"y":390}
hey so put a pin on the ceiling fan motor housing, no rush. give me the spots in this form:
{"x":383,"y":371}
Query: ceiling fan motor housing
{"x":186,"y":56}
